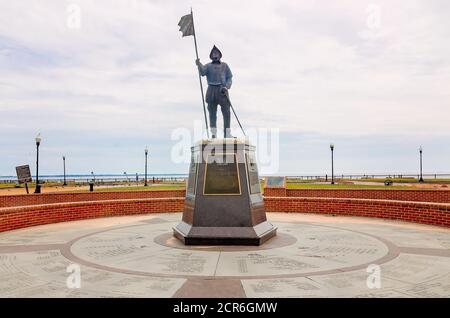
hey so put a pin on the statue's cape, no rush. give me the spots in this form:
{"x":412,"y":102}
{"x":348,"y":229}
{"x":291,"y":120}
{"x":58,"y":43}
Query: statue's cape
{"x":215,"y":49}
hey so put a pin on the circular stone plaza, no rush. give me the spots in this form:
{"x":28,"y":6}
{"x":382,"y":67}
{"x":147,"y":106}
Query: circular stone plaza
{"x":330,"y":243}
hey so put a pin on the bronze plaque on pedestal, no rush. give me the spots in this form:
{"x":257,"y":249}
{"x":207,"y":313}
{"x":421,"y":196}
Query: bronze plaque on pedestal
{"x":222,"y":175}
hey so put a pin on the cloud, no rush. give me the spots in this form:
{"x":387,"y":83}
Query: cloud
{"x":310,"y":68}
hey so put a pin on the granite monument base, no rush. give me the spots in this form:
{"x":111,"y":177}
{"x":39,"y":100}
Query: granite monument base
{"x":224,"y":204}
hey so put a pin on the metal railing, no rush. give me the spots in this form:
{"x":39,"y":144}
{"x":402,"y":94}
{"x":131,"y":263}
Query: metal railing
{"x":362,"y":177}
{"x":131,"y":179}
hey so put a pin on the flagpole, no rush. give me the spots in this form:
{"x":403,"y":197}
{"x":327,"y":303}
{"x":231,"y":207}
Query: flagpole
{"x":199,"y":76}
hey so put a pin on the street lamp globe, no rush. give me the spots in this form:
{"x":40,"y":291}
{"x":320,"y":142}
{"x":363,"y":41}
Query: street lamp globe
{"x":332,"y":147}
{"x":38,"y":139}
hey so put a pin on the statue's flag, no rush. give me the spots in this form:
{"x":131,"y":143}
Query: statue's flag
{"x":186,"y":25}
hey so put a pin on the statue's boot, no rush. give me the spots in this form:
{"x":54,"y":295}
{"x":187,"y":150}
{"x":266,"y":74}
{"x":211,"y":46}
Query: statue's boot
{"x":228,"y":134}
{"x":214,"y":133}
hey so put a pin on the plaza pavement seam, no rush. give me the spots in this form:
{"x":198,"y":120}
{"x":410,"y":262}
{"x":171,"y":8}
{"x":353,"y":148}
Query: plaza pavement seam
{"x":23,"y":248}
{"x":217,"y":264}
{"x":443,"y":252}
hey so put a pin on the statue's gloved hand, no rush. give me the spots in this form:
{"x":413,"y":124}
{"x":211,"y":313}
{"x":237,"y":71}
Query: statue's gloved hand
{"x":197,"y":62}
{"x":224,"y":90}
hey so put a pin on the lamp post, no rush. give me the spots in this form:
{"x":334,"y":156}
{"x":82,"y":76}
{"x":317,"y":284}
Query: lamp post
{"x":146,"y":155}
{"x":332,"y":163}
{"x":421,"y":176}
{"x":38,"y":143}
{"x":64,"y":164}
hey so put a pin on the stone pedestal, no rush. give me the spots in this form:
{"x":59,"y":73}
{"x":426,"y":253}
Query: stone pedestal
{"x":224,"y":204}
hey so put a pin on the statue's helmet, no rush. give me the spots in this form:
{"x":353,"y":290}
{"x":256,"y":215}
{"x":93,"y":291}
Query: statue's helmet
{"x":215,"y":49}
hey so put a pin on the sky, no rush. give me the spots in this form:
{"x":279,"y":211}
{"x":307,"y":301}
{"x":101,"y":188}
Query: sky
{"x":101,"y":80}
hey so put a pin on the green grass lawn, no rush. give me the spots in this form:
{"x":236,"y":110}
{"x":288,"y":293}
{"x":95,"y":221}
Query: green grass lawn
{"x":405,"y":180}
{"x":30,"y":185}
{"x":341,"y":186}
{"x":175,"y":186}
{"x":142,"y":188}
{"x":7,"y":185}
{"x":85,"y":187}
{"x":300,"y":184}
{"x":289,"y":186}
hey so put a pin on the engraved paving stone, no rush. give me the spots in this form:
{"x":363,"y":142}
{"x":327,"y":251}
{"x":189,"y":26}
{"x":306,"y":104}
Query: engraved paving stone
{"x":313,"y":256}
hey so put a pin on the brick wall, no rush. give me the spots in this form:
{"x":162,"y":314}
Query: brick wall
{"x":275,"y":192}
{"x":47,"y":198}
{"x":31,"y":210}
{"x":418,"y":212}
{"x":439,"y":196}
{"x":24,"y":216}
